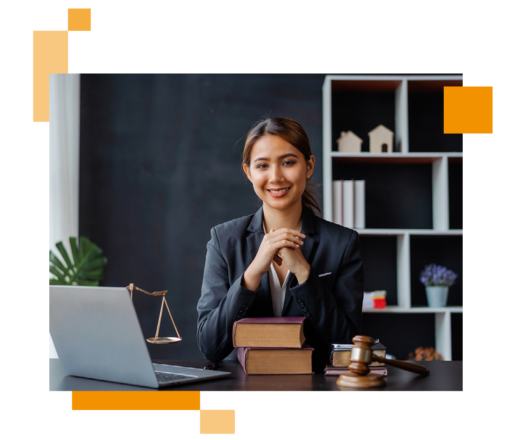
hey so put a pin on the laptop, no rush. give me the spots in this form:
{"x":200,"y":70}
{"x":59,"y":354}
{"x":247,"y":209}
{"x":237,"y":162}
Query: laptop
{"x":97,"y":335}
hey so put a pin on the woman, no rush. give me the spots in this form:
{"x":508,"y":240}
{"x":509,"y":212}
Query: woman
{"x":283,"y":260}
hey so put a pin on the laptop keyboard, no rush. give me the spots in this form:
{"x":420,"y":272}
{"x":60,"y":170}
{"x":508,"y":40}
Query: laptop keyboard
{"x":171,"y":377}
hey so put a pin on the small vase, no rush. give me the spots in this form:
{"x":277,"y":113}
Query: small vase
{"x":437,"y":296}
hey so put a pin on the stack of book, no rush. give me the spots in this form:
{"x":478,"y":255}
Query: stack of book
{"x":348,"y":203}
{"x":340,"y":359}
{"x":272,"y":346}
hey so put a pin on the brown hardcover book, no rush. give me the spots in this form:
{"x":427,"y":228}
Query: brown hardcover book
{"x":336,"y":371}
{"x":282,"y":332}
{"x":276,"y":360}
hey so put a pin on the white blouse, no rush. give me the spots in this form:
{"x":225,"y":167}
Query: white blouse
{"x":277,"y":290}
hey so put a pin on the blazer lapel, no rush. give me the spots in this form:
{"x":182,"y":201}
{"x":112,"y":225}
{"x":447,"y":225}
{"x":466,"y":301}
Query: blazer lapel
{"x":307,"y":249}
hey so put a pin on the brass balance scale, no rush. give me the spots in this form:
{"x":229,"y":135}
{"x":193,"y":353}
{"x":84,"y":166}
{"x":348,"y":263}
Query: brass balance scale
{"x":162,"y":339}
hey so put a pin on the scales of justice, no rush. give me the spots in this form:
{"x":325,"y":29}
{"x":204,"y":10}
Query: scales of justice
{"x":162,"y":339}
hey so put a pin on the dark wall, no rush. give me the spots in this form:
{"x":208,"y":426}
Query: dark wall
{"x":160,"y":165}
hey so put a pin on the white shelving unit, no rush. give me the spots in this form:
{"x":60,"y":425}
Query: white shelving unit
{"x":440,"y":191}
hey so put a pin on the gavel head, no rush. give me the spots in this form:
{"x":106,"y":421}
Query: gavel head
{"x":361,"y":355}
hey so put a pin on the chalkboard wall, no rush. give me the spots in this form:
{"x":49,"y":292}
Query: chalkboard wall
{"x":160,"y":165}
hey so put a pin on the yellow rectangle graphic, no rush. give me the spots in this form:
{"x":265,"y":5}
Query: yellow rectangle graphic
{"x":136,"y":400}
{"x":50,"y":56}
{"x":218,"y":421}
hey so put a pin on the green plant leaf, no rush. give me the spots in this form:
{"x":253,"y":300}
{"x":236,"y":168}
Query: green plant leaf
{"x":74,"y":249}
{"x":88,"y":283}
{"x":96,"y":262}
{"x":64,"y":254}
{"x":57,"y":263}
{"x":58,"y":274}
{"x":84,"y":247}
{"x":86,"y":268}
{"x":55,"y":282}
{"x":91,"y":274}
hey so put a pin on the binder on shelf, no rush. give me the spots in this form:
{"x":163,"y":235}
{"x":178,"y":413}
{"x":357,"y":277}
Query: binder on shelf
{"x":337,"y":203}
{"x":348,"y":203}
{"x":359,"y":215}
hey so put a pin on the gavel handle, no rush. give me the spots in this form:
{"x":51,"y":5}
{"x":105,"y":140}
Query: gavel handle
{"x":413,"y":368}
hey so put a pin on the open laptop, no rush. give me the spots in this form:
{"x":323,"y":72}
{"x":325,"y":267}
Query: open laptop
{"x":97,"y":335}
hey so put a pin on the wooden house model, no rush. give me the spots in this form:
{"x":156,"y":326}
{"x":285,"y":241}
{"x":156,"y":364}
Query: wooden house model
{"x":349,"y":142}
{"x":381,"y":140}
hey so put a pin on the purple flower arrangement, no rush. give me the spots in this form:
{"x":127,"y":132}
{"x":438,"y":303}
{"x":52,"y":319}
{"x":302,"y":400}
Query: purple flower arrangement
{"x":435,"y":275}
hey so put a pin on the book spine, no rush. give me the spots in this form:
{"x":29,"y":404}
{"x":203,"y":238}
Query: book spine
{"x":348,"y":203}
{"x":359,"y":189}
{"x":234,"y":333}
{"x":337,"y":202}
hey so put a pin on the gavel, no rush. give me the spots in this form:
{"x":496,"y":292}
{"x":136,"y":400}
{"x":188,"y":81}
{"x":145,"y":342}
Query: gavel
{"x":360,"y":359}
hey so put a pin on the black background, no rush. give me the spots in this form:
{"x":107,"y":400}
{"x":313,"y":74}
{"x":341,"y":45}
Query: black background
{"x":160,"y":165}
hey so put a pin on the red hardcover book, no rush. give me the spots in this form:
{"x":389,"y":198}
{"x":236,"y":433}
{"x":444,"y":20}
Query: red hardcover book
{"x":276,"y":360}
{"x":281,"y":332}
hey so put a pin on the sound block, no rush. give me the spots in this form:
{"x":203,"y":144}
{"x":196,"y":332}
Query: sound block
{"x":352,"y":380}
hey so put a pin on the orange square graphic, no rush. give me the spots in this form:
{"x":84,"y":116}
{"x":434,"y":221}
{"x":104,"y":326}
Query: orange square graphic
{"x":468,"y":109}
{"x":79,"y":19}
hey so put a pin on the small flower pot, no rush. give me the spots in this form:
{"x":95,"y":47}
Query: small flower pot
{"x":437,"y":296}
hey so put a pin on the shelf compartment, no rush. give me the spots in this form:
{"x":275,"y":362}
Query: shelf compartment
{"x":457,"y":336}
{"x":401,"y":333}
{"x":397,"y":196}
{"x":398,"y":309}
{"x":425,"y":101}
{"x":393,"y":158}
{"x":443,"y":250}
{"x":362,"y":105}
{"x":455,"y":193}
{"x":408,"y":231}
{"x":380,"y":265}
{"x":369,"y":85}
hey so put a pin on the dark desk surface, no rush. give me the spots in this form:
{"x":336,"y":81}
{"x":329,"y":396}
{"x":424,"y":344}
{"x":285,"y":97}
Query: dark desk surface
{"x":444,"y":376}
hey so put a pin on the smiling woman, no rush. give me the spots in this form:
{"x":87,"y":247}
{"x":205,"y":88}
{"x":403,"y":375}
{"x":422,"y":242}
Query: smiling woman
{"x":283,"y":260}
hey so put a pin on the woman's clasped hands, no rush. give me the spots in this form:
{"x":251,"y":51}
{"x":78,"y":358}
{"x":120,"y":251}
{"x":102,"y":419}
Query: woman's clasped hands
{"x":281,"y":245}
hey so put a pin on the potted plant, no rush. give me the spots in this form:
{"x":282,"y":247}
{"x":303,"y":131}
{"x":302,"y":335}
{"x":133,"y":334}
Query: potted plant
{"x":437,"y":280}
{"x":83,"y":268}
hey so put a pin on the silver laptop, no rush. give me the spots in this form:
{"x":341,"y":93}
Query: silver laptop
{"x":97,"y":335}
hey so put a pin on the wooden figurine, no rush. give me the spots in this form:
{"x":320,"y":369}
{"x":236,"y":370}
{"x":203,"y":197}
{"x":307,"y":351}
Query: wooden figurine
{"x":381,"y":140}
{"x":349,"y":142}
{"x":360,"y":359}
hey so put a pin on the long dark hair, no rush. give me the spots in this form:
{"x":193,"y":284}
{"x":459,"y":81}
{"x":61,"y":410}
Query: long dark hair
{"x":293,"y":133}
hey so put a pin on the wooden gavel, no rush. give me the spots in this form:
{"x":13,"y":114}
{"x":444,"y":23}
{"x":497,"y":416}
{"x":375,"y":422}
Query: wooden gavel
{"x":360,"y":359}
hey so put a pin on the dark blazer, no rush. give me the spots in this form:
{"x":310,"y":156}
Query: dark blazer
{"x":331,"y":298}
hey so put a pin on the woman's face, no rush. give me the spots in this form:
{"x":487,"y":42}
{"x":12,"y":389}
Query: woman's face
{"x":278,"y":172}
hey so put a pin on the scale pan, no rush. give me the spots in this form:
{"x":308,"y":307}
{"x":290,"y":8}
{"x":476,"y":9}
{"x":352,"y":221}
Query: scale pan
{"x":164,"y":340}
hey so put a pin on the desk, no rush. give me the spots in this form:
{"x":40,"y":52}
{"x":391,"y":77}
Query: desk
{"x":444,"y":376}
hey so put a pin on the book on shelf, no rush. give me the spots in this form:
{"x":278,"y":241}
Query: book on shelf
{"x":336,"y":371}
{"x":340,"y":354}
{"x":278,"y":332}
{"x":359,"y":207}
{"x":348,"y":203}
{"x":276,"y":360}
{"x":337,"y":202}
